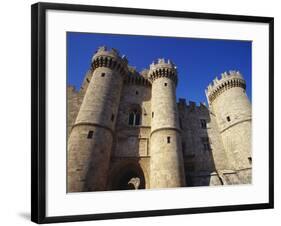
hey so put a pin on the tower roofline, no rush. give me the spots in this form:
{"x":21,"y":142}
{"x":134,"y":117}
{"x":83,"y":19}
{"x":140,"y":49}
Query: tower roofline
{"x":110,"y":52}
{"x":163,"y":68}
{"x":228,"y":80}
{"x":162,"y":62}
{"x":110,"y":58}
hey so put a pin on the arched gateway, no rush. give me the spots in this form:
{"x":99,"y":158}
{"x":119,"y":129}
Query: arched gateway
{"x":127,"y":177}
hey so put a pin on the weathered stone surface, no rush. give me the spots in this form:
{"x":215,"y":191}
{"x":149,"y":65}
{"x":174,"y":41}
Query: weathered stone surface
{"x":231,"y":106}
{"x":171,"y":145}
{"x":166,"y":158}
{"x":74,"y":100}
{"x":90,"y":141}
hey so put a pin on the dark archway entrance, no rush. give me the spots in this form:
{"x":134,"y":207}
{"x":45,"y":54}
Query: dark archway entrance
{"x":128,"y":177}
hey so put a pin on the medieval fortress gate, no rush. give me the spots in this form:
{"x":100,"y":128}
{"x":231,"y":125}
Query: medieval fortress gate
{"x":127,"y":131}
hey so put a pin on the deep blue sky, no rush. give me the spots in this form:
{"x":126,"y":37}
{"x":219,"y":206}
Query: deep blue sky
{"x":198,"y":60}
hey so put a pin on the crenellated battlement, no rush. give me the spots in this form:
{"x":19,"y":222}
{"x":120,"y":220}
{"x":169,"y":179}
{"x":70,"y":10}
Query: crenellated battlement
{"x":144,"y":73}
{"x":161,"y":62}
{"x":111,"y":58}
{"x":110,"y":52}
{"x":227,"y":81}
{"x":136,"y":78}
{"x":122,"y":114}
{"x":71,"y":89}
{"x":192,"y":106}
{"x":133,"y":70}
{"x":163,"y":68}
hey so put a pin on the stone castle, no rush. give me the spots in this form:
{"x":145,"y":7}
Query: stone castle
{"x":127,"y":131}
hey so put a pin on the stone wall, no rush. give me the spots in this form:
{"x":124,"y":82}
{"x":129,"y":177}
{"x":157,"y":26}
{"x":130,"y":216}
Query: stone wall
{"x":201,"y":163}
{"x":92,"y":135}
{"x":74,"y":100}
{"x":233,"y":113}
{"x":134,"y":97}
{"x":174,"y":144}
{"x":132,"y":142}
{"x":166,"y":158}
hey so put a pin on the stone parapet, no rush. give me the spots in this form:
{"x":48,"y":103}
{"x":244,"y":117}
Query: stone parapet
{"x":163,"y":68}
{"x":227,"y":81}
{"x":110,"y":58}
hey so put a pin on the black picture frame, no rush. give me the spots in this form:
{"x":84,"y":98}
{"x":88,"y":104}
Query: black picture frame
{"x":38,"y":111}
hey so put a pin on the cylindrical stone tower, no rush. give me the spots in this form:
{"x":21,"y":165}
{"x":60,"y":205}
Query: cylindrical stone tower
{"x":90,"y":141}
{"x":166,"y":161}
{"x":229,"y":102}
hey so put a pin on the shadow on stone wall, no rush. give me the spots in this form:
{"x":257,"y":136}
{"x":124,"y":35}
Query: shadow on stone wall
{"x":127,"y":175}
{"x":197,"y":145}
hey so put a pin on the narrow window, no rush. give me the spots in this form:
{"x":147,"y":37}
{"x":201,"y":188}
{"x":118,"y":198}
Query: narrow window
{"x":165,"y":84}
{"x":250,"y":160}
{"x":206,"y":143}
{"x":168,"y":140}
{"x":228,"y":118}
{"x":137,"y":119}
{"x":137,"y":92}
{"x":102,"y":74}
{"x":90,"y":134}
{"x":112,"y":117}
{"x":131,"y":118}
{"x":152,"y":114}
{"x":134,"y":118}
{"x":203,"y":123}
